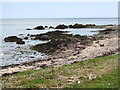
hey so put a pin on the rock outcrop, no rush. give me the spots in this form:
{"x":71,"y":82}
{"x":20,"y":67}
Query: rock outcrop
{"x":61,"y":26}
{"x":14,"y":39}
{"x":39,"y":28}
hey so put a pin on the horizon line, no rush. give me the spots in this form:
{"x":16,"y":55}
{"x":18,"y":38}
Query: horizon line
{"x":61,"y":18}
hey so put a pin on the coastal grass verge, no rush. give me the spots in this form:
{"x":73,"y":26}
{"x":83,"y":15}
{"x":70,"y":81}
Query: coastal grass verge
{"x":101,"y":72}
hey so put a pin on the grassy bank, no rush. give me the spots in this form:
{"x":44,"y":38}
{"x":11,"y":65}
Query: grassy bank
{"x":100,"y":72}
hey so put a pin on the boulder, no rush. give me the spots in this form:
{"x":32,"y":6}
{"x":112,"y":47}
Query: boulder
{"x":46,"y":26}
{"x":61,"y":27}
{"x":78,"y":26}
{"x":12,"y":39}
{"x":101,"y":44}
{"x":39,"y":28}
{"x":42,"y":37}
{"x":26,"y":38}
{"x":20,"y":42}
{"x":55,"y":45}
{"x":28,"y":29}
{"x":45,"y":37}
{"x":28,"y":34}
{"x":70,"y":26}
{"x":51,"y":27}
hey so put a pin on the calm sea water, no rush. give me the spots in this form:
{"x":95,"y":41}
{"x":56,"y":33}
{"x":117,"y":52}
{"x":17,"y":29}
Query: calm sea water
{"x":14,"y":54}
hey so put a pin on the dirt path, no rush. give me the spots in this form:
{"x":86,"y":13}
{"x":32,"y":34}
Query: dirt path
{"x":99,"y":48}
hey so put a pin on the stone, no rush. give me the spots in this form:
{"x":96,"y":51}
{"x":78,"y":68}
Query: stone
{"x":20,"y":42}
{"x":51,"y":27}
{"x":45,"y":37}
{"x":28,"y":34}
{"x":46,"y":26}
{"x":42,"y":37}
{"x":39,"y":28}
{"x":78,"y":26}
{"x":101,"y":44}
{"x":12,"y":39}
{"x":28,"y":29}
{"x":61,"y":27}
{"x":25,"y":37}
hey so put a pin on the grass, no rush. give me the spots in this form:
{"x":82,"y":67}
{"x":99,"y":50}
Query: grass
{"x":109,"y":80}
{"x":100,"y":72}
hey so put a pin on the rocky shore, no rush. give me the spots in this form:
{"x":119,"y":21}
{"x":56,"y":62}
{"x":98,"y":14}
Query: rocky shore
{"x":65,"y":48}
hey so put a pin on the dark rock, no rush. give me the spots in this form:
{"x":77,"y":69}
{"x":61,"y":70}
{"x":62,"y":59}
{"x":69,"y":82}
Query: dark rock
{"x":70,"y":26}
{"x":51,"y":35}
{"x":51,"y":27}
{"x":32,"y":57}
{"x":12,"y":39}
{"x":34,"y":53}
{"x":61,"y":27}
{"x":101,"y":44}
{"x":42,"y":37}
{"x":55,"y":45}
{"x":45,"y":37}
{"x":28,"y":29}
{"x":43,"y":66}
{"x":78,"y":26}
{"x":46,"y":26}
{"x":106,"y":31}
{"x":20,"y":42}
{"x":28,"y":34}
{"x":25,"y":37}
{"x":87,"y":25}
{"x":39,"y":28}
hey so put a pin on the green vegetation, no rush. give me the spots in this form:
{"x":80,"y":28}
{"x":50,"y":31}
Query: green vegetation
{"x":100,"y":72}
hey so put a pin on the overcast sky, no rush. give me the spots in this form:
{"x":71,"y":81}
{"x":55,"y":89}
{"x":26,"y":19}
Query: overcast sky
{"x":59,"y":9}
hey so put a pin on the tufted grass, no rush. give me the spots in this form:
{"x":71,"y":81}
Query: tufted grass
{"x":77,"y":75}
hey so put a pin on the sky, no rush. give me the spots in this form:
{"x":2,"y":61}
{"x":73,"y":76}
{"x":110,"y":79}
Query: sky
{"x":59,"y":9}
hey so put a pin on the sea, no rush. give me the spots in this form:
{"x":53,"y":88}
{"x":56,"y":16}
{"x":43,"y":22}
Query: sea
{"x":12,"y":53}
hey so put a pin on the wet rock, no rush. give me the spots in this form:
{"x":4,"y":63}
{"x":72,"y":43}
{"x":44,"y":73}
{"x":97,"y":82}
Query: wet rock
{"x":34,"y":53}
{"x":28,"y":34}
{"x":20,"y":42}
{"x":39,"y":28}
{"x":90,"y":25}
{"x":61,"y":27}
{"x":12,"y":39}
{"x":32,"y":57}
{"x":56,"y":45}
{"x":51,"y":27}
{"x":45,"y":37}
{"x":78,"y":26}
{"x":28,"y":29}
{"x":106,"y":31}
{"x":70,"y":26}
{"x":46,"y":26}
{"x":42,"y":37}
{"x":26,"y":38}
{"x":51,"y":35}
